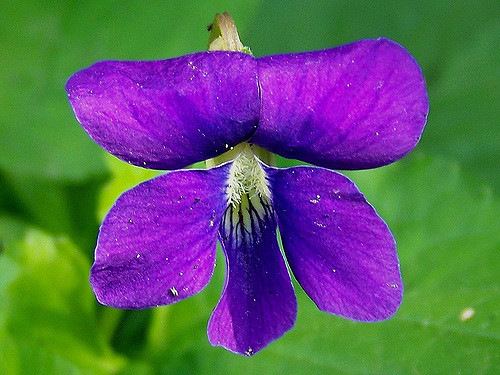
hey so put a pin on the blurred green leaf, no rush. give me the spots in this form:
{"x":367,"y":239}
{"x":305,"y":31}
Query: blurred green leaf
{"x":59,"y":208}
{"x":47,"y":318}
{"x":465,"y":109}
{"x":42,"y":201}
{"x":448,"y":240}
{"x":432,"y":31}
{"x":38,"y":134}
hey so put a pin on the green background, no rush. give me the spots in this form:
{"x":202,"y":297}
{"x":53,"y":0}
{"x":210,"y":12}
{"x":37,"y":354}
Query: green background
{"x":441,"y":201}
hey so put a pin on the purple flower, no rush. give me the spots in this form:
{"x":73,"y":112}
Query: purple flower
{"x":358,"y":106}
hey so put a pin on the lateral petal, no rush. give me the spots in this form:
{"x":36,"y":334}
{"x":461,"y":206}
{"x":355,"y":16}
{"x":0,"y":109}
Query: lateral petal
{"x":157,"y":244}
{"x":341,"y":252}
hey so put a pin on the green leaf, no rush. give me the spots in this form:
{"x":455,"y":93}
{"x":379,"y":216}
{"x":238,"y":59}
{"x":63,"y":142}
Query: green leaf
{"x":47,"y":311}
{"x":433,"y":31}
{"x":447,"y":233}
{"x":59,"y":208}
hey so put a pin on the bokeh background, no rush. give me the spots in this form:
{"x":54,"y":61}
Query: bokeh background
{"x":442,"y":201}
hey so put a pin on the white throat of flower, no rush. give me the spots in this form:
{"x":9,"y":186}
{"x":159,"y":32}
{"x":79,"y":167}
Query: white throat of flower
{"x":248,"y":195}
{"x":246,"y":177}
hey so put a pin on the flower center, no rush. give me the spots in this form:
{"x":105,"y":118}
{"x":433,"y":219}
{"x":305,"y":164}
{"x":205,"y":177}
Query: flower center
{"x":246,"y":177}
{"x":248,"y":195}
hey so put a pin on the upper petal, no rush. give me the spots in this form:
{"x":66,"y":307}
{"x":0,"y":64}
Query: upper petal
{"x":338,"y":248}
{"x":157,"y":244}
{"x":170,"y":113}
{"x":361,"y":105}
{"x":258,"y":304}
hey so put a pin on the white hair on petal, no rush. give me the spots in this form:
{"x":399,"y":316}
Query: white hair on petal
{"x":246,"y":176}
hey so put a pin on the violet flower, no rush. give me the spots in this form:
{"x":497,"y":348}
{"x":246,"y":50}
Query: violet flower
{"x":362,"y":105}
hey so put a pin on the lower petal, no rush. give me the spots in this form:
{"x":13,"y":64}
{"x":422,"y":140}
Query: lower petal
{"x":157,"y":244}
{"x":341,"y":252}
{"x":258,"y":304}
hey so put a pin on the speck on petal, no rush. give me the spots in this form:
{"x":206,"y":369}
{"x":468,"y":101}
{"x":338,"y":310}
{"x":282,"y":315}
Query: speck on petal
{"x":167,"y":252}
{"x":341,"y":252}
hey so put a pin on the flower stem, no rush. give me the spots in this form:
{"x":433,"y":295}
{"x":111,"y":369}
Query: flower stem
{"x":224,"y":35}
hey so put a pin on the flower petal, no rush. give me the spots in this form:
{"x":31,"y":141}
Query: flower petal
{"x":361,"y":105}
{"x":157,"y":244}
{"x":171,"y":113}
{"x":338,"y":248}
{"x":258,"y":304}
